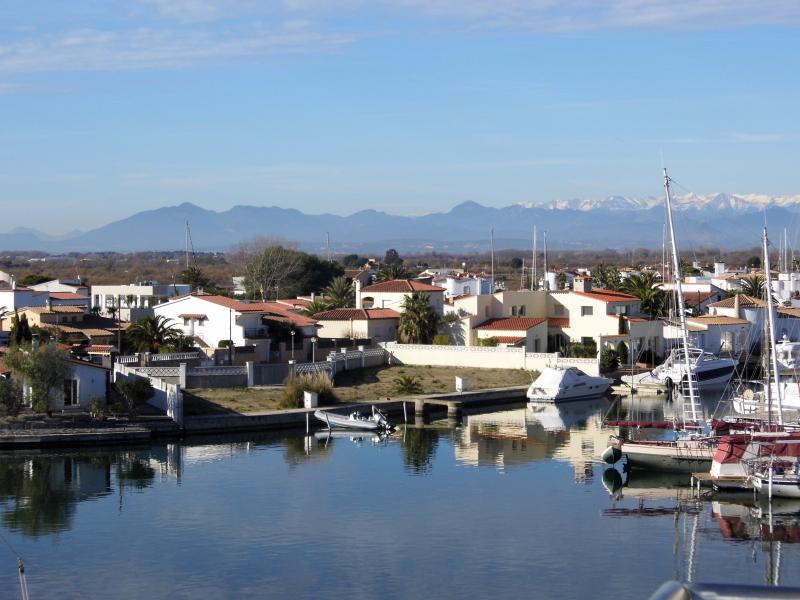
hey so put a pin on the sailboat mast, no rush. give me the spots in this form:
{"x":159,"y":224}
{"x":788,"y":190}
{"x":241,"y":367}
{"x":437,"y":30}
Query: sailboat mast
{"x":492,"y":250}
{"x":547,"y":285}
{"x":187,"y":245}
{"x":522,"y":281}
{"x":771,"y":321}
{"x":676,"y":268}
{"x":534,"y":285}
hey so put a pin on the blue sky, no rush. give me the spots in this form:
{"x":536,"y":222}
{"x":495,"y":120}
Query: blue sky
{"x":409,"y":106}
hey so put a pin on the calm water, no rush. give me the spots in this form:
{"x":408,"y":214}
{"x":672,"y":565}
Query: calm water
{"x":505,"y":504}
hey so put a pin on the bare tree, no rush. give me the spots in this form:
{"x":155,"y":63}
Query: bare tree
{"x":267,"y":264}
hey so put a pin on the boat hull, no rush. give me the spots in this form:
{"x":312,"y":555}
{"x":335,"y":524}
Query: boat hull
{"x":667,"y":456}
{"x":344,"y":422}
{"x":569,"y":397}
{"x":781,"y":487}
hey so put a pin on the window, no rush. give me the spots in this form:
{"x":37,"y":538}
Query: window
{"x":587,"y":311}
{"x":587,"y":341}
{"x":621,"y":309}
{"x":522,"y":311}
{"x":466,"y":289}
{"x":558,"y":310}
{"x":186,"y":322}
{"x":367,"y":302}
{"x":70,"y":392}
{"x":513,"y":311}
{"x":536,"y":345}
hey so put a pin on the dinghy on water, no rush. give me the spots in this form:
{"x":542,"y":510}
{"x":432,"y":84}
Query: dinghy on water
{"x":355,"y":420}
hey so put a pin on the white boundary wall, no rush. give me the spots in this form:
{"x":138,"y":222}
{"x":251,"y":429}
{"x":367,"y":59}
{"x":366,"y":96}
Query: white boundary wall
{"x":484,"y":357}
{"x":166,"y":396}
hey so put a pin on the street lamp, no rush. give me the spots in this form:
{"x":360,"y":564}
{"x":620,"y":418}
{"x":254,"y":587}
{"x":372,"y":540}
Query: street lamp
{"x":314,"y":349}
{"x":292,"y":344}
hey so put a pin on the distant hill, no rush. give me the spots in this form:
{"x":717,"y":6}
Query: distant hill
{"x":729,"y":221}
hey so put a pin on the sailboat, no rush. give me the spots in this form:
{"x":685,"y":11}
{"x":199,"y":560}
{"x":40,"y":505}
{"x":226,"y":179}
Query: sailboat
{"x":687,"y":453}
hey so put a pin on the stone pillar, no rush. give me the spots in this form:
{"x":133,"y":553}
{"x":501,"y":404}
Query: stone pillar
{"x":419,"y":407}
{"x":333,"y":365}
{"x":182,"y":374}
{"x":251,"y":373}
{"x":361,"y":349}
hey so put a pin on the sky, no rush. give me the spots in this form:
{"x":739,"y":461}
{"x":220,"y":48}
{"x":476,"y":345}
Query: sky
{"x":111,"y":107}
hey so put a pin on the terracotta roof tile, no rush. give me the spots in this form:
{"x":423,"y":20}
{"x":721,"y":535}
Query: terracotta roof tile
{"x":198,"y":316}
{"x":717,"y":320}
{"x":607,"y":296}
{"x":404,"y":286}
{"x":68,"y":296}
{"x":357,"y":314}
{"x":510,"y":324}
{"x":508,"y":339}
{"x":745,"y":301}
{"x":558,"y":321}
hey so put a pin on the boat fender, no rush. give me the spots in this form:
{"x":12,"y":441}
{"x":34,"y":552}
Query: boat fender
{"x":612,"y":454}
{"x":612,"y":480}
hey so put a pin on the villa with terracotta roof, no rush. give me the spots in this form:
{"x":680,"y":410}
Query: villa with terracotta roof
{"x":375,"y":324}
{"x":528,"y":332}
{"x":260,"y":327}
{"x":392,"y":294}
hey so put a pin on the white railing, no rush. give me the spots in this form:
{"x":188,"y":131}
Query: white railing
{"x":390,"y":346}
{"x":159,"y":371}
{"x":175,"y":356}
{"x":127,"y":360}
{"x":315,"y":367}
{"x":216,"y":371}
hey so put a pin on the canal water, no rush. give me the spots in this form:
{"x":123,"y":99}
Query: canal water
{"x":511,"y":503}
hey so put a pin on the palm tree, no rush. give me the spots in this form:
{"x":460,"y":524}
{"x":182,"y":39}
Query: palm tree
{"x":646,"y":288}
{"x":753,"y":285}
{"x":316,"y":306}
{"x":391,"y":272}
{"x":340,"y":293}
{"x":418,"y":320}
{"x":152,"y":333}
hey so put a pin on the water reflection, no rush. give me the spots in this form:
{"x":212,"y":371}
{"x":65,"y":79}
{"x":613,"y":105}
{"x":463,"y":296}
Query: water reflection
{"x":571,"y":432}
{"x":419,"y":447}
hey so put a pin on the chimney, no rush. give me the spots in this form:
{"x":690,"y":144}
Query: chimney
{"x":719,"y":268}
{"x":49,"y":303}
{"x":582,"y":284}
{"x":736,"y":309}
{"x":357,"y":282}
{"x":13,"y":282}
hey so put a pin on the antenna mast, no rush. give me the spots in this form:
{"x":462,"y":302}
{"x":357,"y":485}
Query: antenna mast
{"x":328,"y":244}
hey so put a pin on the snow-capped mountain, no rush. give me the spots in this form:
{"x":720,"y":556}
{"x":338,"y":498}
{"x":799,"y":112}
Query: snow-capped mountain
{"x":691,"y":201}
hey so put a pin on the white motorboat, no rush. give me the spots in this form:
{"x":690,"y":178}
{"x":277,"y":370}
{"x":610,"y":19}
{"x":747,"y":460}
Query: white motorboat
{"x":377,"y":421}
{"x":788,"y":353}
{"x":708,"y":369}
{"x":556,"y":384}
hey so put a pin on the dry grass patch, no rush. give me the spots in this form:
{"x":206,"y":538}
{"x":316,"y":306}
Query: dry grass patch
{"x":352,"y":386}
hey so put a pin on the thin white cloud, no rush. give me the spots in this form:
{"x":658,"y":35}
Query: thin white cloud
{"x":147,"y":48}
{"x":192,"y":11}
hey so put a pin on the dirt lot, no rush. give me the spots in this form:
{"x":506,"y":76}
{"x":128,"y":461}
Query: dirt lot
{"x":362,"y":384}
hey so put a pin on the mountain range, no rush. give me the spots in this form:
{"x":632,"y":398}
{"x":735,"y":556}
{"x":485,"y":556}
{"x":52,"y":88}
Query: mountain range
{"x":724,"y":220}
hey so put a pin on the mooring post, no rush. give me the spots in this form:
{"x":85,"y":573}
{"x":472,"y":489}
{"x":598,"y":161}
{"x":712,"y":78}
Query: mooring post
{"x":419,"y":407}
{"x":307,"y":425}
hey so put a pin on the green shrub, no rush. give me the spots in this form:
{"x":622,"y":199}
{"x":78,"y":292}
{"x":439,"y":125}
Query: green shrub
{"x":136,"y":391}
{"x":98,"y":408}
{"x":10,"y":398}
{"x":491,"y":342}
{"x":582,"y":350}
{"x":441,"y":340}
{"x":319,"y":382}
{"x":609,"y":360}
{"x":622,"y":353}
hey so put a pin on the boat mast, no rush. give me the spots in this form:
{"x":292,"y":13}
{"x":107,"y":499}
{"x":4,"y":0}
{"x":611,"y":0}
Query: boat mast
{"x":534,"y":285}
{"x":771,"y":321}
{"x":491,"y":233}
{"x":676,"y":267}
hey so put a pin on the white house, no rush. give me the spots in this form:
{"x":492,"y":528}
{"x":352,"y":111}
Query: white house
{"x":88,"y":381}
{"x":134,"y":300}
{"x":460,"y":284}
{"x":14,"y":297}
{"x":211,"y":320}
{"x":529,"y":332}
{"x":62,"y":285}
{"x":376,"y":324}
{"x":392,"y":294}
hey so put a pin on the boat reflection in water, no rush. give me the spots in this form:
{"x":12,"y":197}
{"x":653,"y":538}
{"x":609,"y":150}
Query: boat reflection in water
{"x":571,"y":432}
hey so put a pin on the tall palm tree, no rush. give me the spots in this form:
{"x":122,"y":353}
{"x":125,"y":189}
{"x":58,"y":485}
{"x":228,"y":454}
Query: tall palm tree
{"x":391,"y":272}
{"x":753,"y":285}
{"x":152,"y":333}
{"x":340,"y":293}
{"x":646,"y":288}
{"x":418,"y":320}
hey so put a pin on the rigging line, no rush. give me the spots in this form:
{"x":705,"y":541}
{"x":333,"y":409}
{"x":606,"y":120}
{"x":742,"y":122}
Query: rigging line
{"x":10,"y":547}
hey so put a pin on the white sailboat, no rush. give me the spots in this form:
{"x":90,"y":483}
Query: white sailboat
{"x":686,"y":453}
